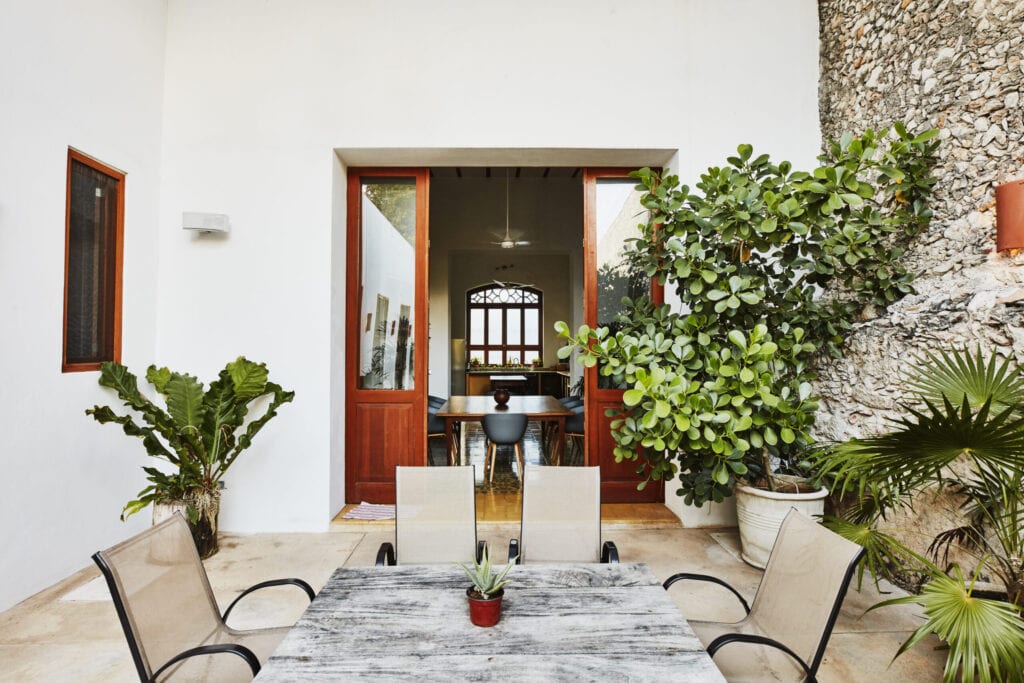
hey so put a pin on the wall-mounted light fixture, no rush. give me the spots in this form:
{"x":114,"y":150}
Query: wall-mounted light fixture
{"x":205,"y":222}
{"x":1010,"y":216}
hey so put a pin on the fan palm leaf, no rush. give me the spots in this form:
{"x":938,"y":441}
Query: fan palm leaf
{"x":985,"y":637}
{"x":958,"y":374}
{"x":914,"y":455}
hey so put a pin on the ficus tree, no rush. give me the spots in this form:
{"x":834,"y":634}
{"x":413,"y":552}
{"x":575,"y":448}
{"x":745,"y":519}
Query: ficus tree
{"x":771,"y":266}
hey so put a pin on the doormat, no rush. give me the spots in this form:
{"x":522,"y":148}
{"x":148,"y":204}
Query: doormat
{"x":370,"y":511}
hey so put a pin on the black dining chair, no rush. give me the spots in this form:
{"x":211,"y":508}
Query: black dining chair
{"x":503,"y":429}
{"x":574,"y":429}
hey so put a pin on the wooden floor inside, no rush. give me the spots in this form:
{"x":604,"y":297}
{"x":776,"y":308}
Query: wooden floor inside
{"x":507,"y":507}
{"x":501,"y":500}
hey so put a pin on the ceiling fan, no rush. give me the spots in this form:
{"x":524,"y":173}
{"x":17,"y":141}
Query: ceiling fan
{"x":506,"y":241}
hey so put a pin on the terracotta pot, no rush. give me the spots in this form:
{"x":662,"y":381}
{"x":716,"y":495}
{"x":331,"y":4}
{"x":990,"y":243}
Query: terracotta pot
{"x":1010,"y":215}
{"x":760,"y":514}
{"x":484,"y":612}
{"x":501,"y":396}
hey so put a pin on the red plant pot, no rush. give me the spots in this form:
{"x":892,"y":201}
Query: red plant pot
{"x":484,"y":612}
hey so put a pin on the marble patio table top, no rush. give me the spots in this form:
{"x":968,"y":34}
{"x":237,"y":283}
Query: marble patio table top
{"x":559,"y":622}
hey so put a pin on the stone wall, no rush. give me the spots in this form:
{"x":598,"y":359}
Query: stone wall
{"x":957,"y":65}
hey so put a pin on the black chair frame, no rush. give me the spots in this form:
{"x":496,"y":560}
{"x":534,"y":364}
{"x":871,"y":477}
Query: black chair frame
{"x":609,"y":553}
{"x":386,"y":554}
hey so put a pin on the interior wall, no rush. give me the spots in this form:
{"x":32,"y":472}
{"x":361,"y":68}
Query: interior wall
{"x":89,"y":76}
{"x":467,"y":215}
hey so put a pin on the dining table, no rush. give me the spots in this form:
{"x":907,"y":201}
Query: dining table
{"x":473,"y":408}
{"x":579,"y":622}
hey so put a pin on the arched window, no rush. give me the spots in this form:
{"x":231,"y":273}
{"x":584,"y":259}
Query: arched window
{"x":504,"y":325}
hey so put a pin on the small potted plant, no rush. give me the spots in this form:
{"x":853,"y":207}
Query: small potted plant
{"x":487,"y":590}
{"x":474,"y":362}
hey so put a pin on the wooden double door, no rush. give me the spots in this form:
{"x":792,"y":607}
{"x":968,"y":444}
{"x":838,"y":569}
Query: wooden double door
{"x":386,"y":328}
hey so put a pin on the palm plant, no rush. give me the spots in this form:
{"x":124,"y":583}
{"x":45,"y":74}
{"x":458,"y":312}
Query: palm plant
{"x":968,"y":417}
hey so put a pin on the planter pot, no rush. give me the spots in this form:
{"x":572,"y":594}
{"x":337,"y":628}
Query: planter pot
{"x":760,"y":514}
{"x":484,"y":612}
{"x":204,"y":530}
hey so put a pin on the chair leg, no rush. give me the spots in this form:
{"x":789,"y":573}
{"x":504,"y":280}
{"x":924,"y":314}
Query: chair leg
{"x":519,"y":458}
{"x":492,"y":449}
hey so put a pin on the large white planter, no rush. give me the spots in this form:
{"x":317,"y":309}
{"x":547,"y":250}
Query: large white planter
{"x":760,"y":513}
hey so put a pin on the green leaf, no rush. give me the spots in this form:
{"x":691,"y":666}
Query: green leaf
{"x":738,"y":338}
{"x":632,"y":397}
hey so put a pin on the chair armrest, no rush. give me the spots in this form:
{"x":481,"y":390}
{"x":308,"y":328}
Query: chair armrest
{"x":513,"y":550}
{"x":218,"y":648}
{"x":266,"y":584}
{"x":609,"y":553}
{"x":716,"y":644}
{"x":385,"y":555}
{"x":704,"y":577}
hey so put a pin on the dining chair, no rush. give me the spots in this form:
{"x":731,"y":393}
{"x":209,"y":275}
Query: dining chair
{"x":790,"y":620}
{"x":561,"y":518}
{"x":435,"y":517}
{"x":169,"y":615}
{"x":436,"y":427}
{"x":569,"y":403}
{"x":503,"y":429}
{"x":574,"y":429}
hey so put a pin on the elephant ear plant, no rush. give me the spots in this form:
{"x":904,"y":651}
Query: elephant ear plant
{"x":771,"y":266}
{"x":201,"y":433}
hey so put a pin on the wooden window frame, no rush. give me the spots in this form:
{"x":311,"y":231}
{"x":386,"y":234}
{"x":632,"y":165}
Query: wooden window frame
{"x":113,"y":306}
{"x":505,"y":348}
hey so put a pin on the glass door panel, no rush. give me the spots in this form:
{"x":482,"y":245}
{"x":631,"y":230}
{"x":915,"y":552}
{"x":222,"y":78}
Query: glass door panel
{"x":618,"y":212}
{"x":388,"y":282}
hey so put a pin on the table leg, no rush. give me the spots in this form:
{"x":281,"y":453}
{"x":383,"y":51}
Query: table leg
{"x":559,"y":441}
{"x":449,"y":434}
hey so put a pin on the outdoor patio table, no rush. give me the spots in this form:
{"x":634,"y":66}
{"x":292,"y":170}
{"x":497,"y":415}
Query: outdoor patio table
{"x":559,"y":622}
{"x":473,"y":408}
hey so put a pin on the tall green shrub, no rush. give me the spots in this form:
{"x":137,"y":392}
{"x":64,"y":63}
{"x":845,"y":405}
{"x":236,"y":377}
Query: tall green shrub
{"x":772,"y":266}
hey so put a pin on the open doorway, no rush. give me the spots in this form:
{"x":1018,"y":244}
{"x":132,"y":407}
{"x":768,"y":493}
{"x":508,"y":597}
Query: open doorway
{"x":499,"y":231}
{"x":506,"y":262}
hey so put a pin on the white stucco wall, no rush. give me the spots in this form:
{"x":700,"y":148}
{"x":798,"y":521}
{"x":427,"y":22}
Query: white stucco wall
{"x":89,"y":76}
{"x":243,"y":119}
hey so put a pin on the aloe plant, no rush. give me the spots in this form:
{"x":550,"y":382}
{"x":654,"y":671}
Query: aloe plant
{"x":200,"y":433}
{"x":485,"y":581}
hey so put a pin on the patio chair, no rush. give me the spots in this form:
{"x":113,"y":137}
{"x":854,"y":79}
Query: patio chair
{"x":174,"y":628}
{"x":506,"y":429}
{"x":790,"y":620}
{"x":561,"y":520}
{"x":435,"y":517}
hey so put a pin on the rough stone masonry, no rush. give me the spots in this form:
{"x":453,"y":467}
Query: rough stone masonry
{"x":957,"y":65}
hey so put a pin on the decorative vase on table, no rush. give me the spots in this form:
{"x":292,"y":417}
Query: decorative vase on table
{"x":501,"y":397}
{"x":484,"y":611}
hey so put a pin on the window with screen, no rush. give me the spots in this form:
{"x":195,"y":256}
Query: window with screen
{"x":94,"y":226}
{"x":504,"y":326}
